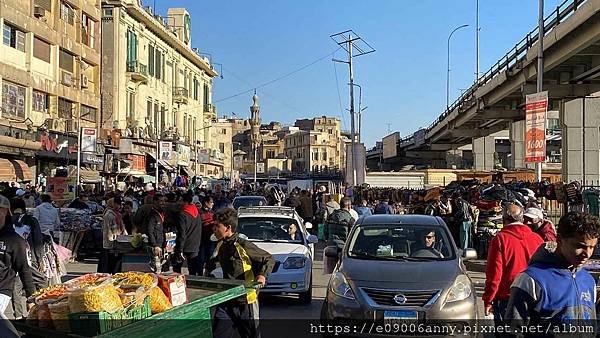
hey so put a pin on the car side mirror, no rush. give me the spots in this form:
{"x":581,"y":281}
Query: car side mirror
{"x":331,"y":252}
{"x":469,"y":254}
{"x":312,"y":239}
{"x":308,"y":225}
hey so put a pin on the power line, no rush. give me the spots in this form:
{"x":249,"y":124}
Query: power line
{"x":337,"y":84}
{"x":279,"y":78}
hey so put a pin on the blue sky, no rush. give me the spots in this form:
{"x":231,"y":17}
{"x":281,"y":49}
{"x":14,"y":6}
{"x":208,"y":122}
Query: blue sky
{"x":404,"y":81}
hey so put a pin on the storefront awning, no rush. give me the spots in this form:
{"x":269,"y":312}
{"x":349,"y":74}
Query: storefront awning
{"x":165,"y":165}
{"x":89,"y":176}
{"x":186,"y":171}
{"x":14,"y":171}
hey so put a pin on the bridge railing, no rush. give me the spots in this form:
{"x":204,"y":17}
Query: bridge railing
{"x":514,"y":56}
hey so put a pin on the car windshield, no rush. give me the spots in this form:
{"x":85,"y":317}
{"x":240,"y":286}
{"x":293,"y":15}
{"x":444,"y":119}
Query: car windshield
{"x":283,"y":230}
{"x":249,"y":202}
{"x":401,"y":242}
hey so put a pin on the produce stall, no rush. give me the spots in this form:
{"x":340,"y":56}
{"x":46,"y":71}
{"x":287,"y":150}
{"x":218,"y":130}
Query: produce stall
{"x":131,"y":304}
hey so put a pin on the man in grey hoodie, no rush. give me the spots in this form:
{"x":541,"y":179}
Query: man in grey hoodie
{"x":47,"y":215}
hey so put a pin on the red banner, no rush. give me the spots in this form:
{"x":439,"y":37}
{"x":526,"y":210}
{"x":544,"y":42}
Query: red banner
{"x":536,"y":106}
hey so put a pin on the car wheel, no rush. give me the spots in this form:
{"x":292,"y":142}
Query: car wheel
{"x":306,"y":297}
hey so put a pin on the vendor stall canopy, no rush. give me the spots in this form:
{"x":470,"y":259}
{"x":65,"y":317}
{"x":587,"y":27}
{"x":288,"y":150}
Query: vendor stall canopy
{"x":14,"y":171}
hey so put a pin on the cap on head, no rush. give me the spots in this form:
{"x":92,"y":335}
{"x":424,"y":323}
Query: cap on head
{"x":20,"y":192}
{"x":534,"y":213}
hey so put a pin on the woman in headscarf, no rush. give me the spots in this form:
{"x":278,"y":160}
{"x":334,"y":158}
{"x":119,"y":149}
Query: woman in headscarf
{"x":112,"y":226}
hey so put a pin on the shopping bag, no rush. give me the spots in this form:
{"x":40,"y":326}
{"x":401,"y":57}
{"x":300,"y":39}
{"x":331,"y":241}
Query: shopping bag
{"x":64,"y":254}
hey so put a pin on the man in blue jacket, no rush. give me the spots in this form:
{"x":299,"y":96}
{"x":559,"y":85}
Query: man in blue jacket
{"x":554,"y":290}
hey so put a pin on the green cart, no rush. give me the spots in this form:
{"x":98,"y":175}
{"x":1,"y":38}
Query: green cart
{"x":192,"y":319}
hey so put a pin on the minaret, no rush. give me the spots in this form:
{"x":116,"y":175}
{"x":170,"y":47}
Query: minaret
{"x":255,"y":125}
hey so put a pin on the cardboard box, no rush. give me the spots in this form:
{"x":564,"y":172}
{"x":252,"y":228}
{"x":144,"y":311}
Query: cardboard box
{"x":174,"y":286}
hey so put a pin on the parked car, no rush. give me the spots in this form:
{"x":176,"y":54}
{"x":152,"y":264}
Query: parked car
{"x":270,"y":228}
{"x":249,"y":201}
{"x":400,"y":267}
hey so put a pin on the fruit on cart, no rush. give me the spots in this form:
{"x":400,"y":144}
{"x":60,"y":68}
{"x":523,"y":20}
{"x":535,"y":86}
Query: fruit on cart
{"x":90,"y":279}
{"x":132,"y":279}
{"x":51,"y":292}
{"x":159,"y":301}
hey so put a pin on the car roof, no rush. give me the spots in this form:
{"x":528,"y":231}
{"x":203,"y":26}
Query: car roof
{"x":401,"y":219}
{"x":249,"y":197}
{"x":267,"y":210}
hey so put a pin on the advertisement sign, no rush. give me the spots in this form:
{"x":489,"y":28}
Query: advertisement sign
{"x":183,"y":155}
{"x":390,"y":145}
{"x":166,"y":151}
{"x":260,"y":168}
{"x":535,"y":127}
{"x":203,"y":156}
{"x":61,"y":188}
{"x":88,"y":140}
{"x":92,"y":159}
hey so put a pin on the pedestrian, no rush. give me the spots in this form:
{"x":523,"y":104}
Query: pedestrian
{"x":534,"y":218}
{"x":47,"y":215}
{"x":189,"y":236}
{"x":306,"y":207}
{"x":434,"y":208}
{"x":240,"y":260}
{"x":363,"y":208}
{"x":383,"y":207}
{"x":338,"y":225}
{"x":128,"y":217}
{"x":509,"y":252}
{"x":155,"y":232}
{"x":555,"y":289}
{"x":207,"y":246}
{"x":80,"y":202}
{"x":112,"y":226}
{"x":463,"y":217}
{"x":13,"y":260}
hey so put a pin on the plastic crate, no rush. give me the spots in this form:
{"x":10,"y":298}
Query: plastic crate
{"x":95,"y":323}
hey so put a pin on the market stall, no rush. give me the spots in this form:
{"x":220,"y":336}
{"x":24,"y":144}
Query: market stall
{"x":131,"y":304}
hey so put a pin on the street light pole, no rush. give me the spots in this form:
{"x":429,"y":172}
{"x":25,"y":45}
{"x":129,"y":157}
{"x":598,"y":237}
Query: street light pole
{"x":448,"y":70}
{"x":540,"y":72}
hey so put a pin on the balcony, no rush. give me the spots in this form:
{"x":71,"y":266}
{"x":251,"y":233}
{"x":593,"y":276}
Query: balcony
{"x":210,"y":110}
{"x":180,"y":95}
{"x":137,"y":71}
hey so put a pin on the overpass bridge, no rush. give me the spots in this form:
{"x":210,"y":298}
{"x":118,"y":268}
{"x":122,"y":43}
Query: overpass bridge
{"x":495,"y":102}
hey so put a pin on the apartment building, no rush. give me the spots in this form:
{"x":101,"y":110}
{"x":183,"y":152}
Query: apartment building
{"x":50,"y":73}
{"x":156,"y":85}
{"x":318,"y":146}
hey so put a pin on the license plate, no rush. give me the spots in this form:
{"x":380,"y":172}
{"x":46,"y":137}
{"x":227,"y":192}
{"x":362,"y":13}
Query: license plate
{"x":400,"y":315}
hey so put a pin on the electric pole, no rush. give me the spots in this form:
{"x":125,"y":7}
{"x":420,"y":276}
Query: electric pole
{"x":540,"y":72}
{"x":355,"y":46}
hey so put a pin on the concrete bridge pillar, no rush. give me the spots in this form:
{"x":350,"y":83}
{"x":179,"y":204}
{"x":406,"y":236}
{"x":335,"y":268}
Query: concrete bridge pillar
{"x":517,"y":145}
{"x":483,"y":153}
{"x":580,"y":122}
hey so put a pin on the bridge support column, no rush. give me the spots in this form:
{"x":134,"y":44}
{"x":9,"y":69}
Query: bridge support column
{"x":454,"y":158}
{"x":580,"y":122}
{"x":517,"y":145}
{"x":483,"y":153}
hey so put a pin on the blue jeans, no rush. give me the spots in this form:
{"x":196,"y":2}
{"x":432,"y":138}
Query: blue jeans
{"x":464,"y":232}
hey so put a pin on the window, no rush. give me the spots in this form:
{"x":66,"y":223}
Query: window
{"x":149,"y":110}
{"x":224,"y":131}
{"x":41,"y":49}
{"x":65,"y":108}
{"x":158,"y":65}
{"x":325,"y":155}
{"x":196,"y":87}
{"x":88,"y":113}
{"x":222,"y":147}
{"x":107,"y":12}
{"x":205,"y":94}
{"x":163,"y":117}
{"x":174,"y":118}
{"x":40,"y":101}
{"x":130,"y":106}
{"x":13,"y":37}
{"x":132,"y":45}
{"x":88,"y":30}
{"x":185,"y":127}
{"x":330,"y":131}
{"x":316,"y":155}
{"x":156,"y":115}
{"x":45,"y":4}
{"x":190,"y":131}
{"x":13,"y":99}
{"x":67,"y":14}
{"x":65,"y":61}
{"x":195,"y":131}
{"x":151,"y":60}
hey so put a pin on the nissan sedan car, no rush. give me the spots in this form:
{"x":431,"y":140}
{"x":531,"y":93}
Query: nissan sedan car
{"x":283,"y":233}
{"x":397,"y":268}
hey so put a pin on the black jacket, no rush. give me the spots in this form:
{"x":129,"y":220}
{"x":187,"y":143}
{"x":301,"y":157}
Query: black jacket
{"x":13,"y":260}
{"x":155,"y":231}
{"x":35,"y":238}
{"x":189,"y":230}
{"x":79,"y":204}
{"x":231,"y":262}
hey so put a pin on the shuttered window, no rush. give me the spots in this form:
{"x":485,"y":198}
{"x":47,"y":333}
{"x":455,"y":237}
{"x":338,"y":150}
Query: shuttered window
{"x":65,"y":61}
{"x":41,"y":49}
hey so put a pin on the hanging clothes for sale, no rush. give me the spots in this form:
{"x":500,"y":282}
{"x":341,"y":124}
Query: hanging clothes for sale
{"x":591,"y":198}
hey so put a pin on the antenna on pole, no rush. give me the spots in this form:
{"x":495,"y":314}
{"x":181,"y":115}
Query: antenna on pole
{"x":389,"y":129}
{"x":355,"y":46}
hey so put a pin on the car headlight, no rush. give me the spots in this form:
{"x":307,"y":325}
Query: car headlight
{"x":339,"y":285}
{"x":294,"y":263}
{"x":461,"y":289}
